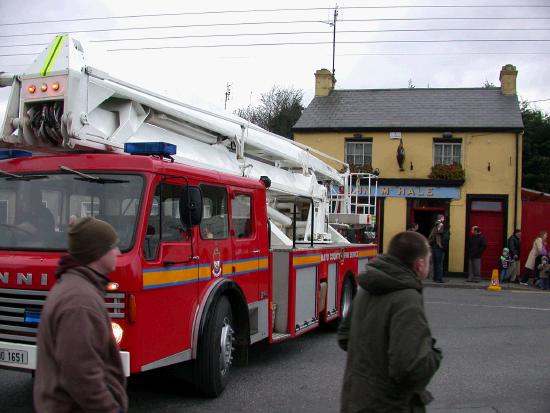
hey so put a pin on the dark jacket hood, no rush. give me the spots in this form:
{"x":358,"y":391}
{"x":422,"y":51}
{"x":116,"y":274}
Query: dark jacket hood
{"x":388,"y":274}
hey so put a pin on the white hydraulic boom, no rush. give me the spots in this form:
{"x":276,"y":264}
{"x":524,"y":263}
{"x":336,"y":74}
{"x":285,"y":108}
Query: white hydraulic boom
{"x":62,"y":103}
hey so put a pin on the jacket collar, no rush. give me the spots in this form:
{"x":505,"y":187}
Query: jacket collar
{"x":98,"y":280}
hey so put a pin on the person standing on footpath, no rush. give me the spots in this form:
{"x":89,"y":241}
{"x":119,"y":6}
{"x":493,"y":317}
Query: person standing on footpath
{"x":533,"y":260}
{"x":439,"y":237}
{"x":476,"y":245}
{"x":514,"y":246}
{"x":79,"y":368}
{"x":391,"y":353}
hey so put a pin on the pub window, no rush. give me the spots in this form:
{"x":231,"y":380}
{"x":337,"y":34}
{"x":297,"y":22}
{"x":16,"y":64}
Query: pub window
{"x":447,"y":153}
{"x":358,"y":152}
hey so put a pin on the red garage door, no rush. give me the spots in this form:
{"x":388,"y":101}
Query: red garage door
{"x":489,"y":217}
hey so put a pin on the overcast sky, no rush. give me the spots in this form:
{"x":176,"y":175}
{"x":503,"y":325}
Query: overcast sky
{"x":378,"y":58}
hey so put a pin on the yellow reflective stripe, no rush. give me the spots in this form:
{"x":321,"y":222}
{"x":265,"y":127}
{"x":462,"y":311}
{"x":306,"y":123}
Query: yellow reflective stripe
{"x":240,"y":267}
{"x":263,"y":264}
{"x":54,"y":51}
{"x":169,"y":277}
{"x":305,"y":259}
{"x":368,"y":253}
{"x":204,"y":272}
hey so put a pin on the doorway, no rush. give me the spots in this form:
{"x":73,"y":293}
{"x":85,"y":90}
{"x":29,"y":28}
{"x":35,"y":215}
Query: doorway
{"x":425,"y":218}
{"x":424,"y":212}
{"x":489,"y":214}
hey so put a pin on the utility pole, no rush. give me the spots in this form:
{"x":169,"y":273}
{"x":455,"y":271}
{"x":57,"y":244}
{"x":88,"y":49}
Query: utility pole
{"x":334,"y":38}
{"x":227,"y":94}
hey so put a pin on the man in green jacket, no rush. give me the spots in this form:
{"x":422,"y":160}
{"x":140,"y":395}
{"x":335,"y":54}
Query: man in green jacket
{"x":391,"y":353}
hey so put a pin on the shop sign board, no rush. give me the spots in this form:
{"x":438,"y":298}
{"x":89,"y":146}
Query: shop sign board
{"x":404,"y":191}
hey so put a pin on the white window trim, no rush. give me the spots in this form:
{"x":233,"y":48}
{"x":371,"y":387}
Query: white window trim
{"x":362,"y":143}
{"x":446,"y":143}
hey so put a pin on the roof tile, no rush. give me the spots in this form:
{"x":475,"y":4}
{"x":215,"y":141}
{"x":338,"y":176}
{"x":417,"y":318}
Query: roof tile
{"x":413,"y":108}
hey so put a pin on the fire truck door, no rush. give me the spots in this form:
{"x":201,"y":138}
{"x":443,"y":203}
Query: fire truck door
{"x":215,"y":250}
{"x":170,"y":275}
{"x":247,"y":246}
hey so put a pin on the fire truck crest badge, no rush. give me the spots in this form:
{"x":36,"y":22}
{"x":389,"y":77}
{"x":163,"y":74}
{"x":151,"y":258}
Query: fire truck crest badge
{"x":216,"y":263}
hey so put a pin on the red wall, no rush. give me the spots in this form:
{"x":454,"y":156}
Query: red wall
{"x":535,"y":217}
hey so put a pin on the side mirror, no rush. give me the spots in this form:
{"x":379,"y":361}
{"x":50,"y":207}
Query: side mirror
{"x":191,"y":205}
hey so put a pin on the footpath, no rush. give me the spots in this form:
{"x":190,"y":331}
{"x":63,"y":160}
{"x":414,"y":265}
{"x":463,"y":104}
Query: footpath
{"x":460,"y":282}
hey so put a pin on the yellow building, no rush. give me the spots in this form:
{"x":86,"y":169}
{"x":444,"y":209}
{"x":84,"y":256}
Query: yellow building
{"x":460,"y":156}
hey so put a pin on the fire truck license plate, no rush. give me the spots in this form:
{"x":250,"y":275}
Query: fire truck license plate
{"x":13,"y":356}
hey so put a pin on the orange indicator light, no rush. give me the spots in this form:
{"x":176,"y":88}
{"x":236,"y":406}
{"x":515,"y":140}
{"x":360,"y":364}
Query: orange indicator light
{"x":55,"y":86}
{"x":112,"y":286}
{"x":44,"y":87}
{"x":31,"y":88}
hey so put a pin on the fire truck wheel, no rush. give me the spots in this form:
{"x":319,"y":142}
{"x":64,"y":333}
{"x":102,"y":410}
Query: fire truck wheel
{"x":347,"y":298}
{"x":215,"y":353}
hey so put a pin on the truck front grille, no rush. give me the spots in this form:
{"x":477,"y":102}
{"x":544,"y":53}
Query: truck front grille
{"x":19,"y":308}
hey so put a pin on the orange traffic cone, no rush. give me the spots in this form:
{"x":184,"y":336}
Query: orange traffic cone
{"x":495,"y":283}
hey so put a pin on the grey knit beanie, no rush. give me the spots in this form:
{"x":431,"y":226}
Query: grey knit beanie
{"x":90,"y":239}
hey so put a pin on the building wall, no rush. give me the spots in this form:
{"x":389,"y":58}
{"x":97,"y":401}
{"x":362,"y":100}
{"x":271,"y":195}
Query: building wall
{"x":394,"y":208}
{"x":488,"y":158}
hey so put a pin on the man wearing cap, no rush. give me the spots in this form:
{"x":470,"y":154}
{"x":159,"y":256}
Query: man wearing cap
{"x":476,"y":245}
{"x":79,"y":367}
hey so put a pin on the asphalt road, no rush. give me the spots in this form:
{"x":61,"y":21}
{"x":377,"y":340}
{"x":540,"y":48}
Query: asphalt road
{"x":496,"y":359}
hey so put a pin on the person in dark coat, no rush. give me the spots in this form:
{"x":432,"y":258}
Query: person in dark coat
{"x":514,"y":246}
{"x":476,"y":246}
{"x":439,"y":239}
{"x":79,"y":368}
{"x":391,"y":352}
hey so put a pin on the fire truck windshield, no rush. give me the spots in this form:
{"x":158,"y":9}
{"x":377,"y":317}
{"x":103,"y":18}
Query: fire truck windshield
{"x":36,"y":211}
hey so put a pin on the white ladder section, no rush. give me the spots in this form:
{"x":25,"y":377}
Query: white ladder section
{"x":62,"y":103}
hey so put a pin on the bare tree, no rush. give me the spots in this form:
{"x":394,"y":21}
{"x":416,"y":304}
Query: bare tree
{"x":278,"y":111}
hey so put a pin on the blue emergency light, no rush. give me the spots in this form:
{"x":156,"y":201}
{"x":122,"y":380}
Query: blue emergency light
{"x":150,"y":148}
{"x":14,"y":153}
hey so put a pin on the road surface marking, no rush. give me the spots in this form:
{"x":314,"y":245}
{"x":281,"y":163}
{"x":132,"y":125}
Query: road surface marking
{"x":511,"y":307}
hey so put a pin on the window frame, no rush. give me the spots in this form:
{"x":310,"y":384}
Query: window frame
{"x":364,"y":142}
{"x":158,"y":206}
{"x":453,"y":143}
{"x":227,"y":212}
{"x":252,"y":230}
{"x":132,"y":242}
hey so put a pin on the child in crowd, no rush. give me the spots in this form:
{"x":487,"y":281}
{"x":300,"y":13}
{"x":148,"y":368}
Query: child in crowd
{"x":544,"y":273}
{"x":505,"y":262}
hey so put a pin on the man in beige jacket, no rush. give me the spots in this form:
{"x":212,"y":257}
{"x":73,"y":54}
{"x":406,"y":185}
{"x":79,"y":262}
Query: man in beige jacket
{"x":79,"y":367}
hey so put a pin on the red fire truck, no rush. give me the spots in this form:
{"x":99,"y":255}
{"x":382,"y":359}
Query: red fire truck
{"x":229,"y":234}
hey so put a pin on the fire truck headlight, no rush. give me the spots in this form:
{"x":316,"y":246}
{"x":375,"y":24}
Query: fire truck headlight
{"x":117,"y":331}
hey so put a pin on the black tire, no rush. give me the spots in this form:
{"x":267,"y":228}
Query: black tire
{"x":346,"y":298}
{"x":212,"y":367}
